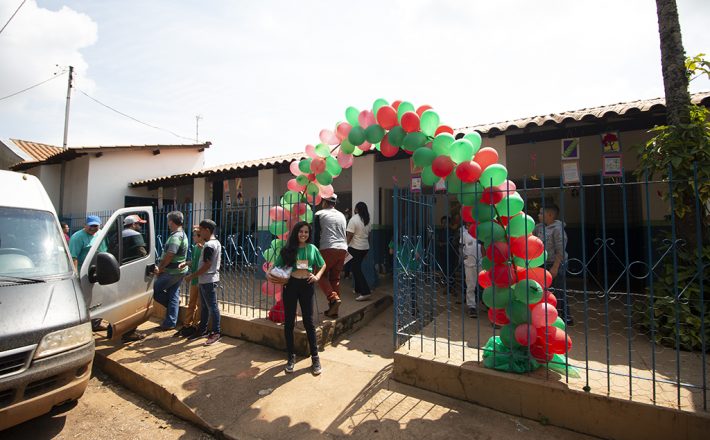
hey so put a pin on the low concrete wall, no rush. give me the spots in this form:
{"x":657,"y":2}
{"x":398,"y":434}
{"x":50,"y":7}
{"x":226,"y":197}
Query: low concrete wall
{"x":549,"y":402}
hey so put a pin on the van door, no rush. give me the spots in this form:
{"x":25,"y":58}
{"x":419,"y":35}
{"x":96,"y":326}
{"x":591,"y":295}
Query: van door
{"x":129,"y":238}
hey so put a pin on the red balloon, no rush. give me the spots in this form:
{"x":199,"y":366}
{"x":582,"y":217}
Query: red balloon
{"x":498,"y":317}
{"x":503,"y":220}
{"x":294,"y":186}
{"x":539,"y":353}
{"x":484,"y":279}
{"x":410,"y":122}
{"x":498,"y":252}
{"x":527,"y":247}
{"x":387,"y":149}
{"x":443,"y":129}
{"x":543,"y":314}
{"x":466,"y":213}
{"x":504,"y":275}
{"x":312,"y":177}
{"x":525,"y":334}
{"x":486,"y":156}
{"x":472,"y":229}
{"x":395,"y":105}
{"x":492,"y":195}
{"x":508,"y":187}
{"x":387,"y":116}
{"x":318,"y":165}
{"x":550,"y":298}
{"x":422,"y":109}
{"x":442,"y":166}
{"x":468,"y":172}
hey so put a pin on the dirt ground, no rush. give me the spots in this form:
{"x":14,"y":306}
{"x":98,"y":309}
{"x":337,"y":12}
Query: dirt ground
{"x":106,"y":411}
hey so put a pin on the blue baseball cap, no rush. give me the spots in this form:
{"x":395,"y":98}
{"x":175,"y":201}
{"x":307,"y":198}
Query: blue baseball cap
{"x":93,"y":220}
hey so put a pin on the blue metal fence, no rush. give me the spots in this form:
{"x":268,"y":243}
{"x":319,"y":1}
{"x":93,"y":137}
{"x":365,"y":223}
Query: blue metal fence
{"x":633,"y":282}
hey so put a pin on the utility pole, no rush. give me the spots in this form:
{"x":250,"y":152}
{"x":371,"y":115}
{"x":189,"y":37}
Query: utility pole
{"x":197,"y":128}
{"x":64,"y":143}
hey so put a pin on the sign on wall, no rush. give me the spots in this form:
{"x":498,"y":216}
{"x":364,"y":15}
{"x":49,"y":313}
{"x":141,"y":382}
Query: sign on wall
{"x":570,"y":172}
{"x":610,"y":143}
{"x":570,"y":149}
{"x":612,"y":165}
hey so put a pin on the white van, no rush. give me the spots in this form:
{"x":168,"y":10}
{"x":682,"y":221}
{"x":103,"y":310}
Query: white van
{"x":46,"y":308}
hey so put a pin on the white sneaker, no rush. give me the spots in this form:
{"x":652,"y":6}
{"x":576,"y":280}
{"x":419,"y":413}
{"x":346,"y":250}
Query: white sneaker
{"x":363,"y":297}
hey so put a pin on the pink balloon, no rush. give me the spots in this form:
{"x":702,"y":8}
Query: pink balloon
{"x":299,"y":208}
{"x":278,"y":295}
{"x":318,"y":165}
{"x":283,"y":236}
{"x":543,"y":314}
{"x":328,"y":137}
{"x":345,"y":160}
{"x":294,"y":186}
{"x":278,"y":213}
{"x":313,"y":200}
{"x":365,"y":146}
{"x":525,"y":334}
{"x":326,"y":191}
{"x":366,"y":118}
{"x":343,"y":130}
{"x":269,"y":289}
{"x":294,"y":168}
{"x":266,"y":266}
{"x":311,"y":151}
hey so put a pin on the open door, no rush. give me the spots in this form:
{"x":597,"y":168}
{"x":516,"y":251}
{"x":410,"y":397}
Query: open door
{"x":118,"y":281}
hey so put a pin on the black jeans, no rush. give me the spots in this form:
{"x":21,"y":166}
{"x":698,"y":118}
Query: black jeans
{"x":361,"y":286}
{"x":299,"y":291}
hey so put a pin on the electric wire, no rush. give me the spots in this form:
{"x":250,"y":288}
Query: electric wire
{"x":56,"y":75}
{"x":12,"y":16}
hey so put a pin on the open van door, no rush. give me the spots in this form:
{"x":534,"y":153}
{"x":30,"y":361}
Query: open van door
{"x":117,"y":274}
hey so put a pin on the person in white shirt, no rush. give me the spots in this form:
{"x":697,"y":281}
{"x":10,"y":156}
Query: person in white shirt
{"x":358,"y":232}
{"x":472,"y":264}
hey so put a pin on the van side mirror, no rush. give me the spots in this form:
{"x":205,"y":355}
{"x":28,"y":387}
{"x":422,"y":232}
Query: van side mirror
{"x":106,"y":270}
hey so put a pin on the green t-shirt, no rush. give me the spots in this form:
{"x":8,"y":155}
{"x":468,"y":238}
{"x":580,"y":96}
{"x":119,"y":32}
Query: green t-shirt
{"x":195,"y":263}
{"x":80,"y":243}
{"x":177,"y":245}
{"x":309,"y":252}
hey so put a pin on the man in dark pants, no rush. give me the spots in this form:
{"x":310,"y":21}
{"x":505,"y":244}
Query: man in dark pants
{"x":333,"y":247}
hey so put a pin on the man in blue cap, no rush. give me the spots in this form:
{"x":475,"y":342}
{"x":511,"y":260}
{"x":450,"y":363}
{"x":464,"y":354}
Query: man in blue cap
{"x":81,"y":241}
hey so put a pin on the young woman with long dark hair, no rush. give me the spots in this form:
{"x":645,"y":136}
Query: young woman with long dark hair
{"x":304,"y":259}
{"x":358,"y":233}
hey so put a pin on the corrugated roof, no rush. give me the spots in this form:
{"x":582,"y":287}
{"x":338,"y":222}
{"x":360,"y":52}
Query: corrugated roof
{"x":59,"y":155}
{"x":586,"y":114}
{"x":37,"y":151}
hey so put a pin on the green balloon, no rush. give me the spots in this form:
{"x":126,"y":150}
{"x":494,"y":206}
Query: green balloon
{"x":346,"y":147}
{"x":488,"y":232}
{"x":497,"y":298}
{"x":292,"y":197}
{"x":528,"y":291}
{"x":396,"y":136}
{"x":429,"y":122}
{"x":535,"y":262}
{"x":377,"y":105}
{"x":482,"y":212}
{"x":442,"y":143}
{"x":468,"y":194}
{"x":493,"y":175}
{"x":559,"y":323}
{"x":414,"y":141}
{"x":403,"y":108}
{"x":324,"y":178}
{"x":351,"y":115}
{"x":510,"y":205}
{"x":356,"y":136}
{"x":376,"y":146}
{"x":428,"y":177}
{"x":521,"y":225}
{"x":486,"y":263}
{"x":461,"y":151}
{"x":357,"y":152}
{"x":423,"y":157}
{"x":277,"y":244}
{"x":323,"y":150}
{"x":308,"y":215}
{"x":332,"y":166}
{"x":518,"y":312}
{"x":302,"y":180}
{"x":475,"y":140}
{"x":269,"y":254}
{"x":453,"y":183}
{"x":312,"y":189}
{"x":374,"y":133}
{"x":278,"y":228}
{"x":507,"y":336}
{"x":305,"y":165}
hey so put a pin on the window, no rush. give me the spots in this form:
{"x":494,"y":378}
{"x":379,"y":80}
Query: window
{"x":135,"y":237}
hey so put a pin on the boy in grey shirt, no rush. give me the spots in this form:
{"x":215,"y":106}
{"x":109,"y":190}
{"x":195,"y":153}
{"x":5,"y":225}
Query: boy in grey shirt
{"x":334,"y":247}
{"x":208,"y":277}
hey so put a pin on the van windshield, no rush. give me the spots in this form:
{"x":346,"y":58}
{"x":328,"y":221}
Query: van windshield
{"x":31,"y":244}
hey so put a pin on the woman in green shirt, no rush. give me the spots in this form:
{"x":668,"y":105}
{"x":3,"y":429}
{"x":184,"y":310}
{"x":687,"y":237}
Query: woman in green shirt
{"x":304,"y":259}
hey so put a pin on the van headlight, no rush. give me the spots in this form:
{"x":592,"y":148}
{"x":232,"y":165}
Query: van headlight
{"x":63,"y":340}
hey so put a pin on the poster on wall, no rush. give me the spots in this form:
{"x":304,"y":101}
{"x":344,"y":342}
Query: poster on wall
{"x":240,"y":194}
{"x":414,"y":169}
{"x":570,"y":172}
{"x":612,"y":165}
{"x":416,"y":184}
{"x":570,"y":149}
{"x":610,"y":143}
{"x":160,"y":197}
{"x":227,"y":194}
{"x":440,"y":185}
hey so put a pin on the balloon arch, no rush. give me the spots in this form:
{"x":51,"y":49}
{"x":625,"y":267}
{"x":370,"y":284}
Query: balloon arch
{"x":531,"y":333}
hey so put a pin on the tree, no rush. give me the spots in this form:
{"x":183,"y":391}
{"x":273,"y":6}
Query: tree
{"x":675,"y":80}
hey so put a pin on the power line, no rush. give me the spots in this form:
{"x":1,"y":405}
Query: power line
{"x":56,"y":75}
{"x":131,"y":117}
{"x":12,"y":16}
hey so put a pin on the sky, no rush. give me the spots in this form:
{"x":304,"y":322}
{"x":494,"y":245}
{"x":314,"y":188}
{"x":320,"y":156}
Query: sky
{"x":265,"y":77}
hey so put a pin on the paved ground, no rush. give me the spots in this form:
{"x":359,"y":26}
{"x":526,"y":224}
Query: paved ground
{"x":106,"y":411}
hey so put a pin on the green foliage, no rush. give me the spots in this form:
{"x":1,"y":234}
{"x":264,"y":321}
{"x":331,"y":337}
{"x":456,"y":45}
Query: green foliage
{"x":697,"y":66}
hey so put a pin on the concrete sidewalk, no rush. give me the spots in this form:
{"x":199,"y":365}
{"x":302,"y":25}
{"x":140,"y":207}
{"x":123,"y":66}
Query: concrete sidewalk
{"x":238,"y":390}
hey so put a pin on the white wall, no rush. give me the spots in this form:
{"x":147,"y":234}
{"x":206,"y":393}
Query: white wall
{"x":50,"y":176}
{"x":110,"y":174}
{"x":76,"y":182}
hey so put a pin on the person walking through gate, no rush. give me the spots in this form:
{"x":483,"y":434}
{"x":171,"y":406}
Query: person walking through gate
{"x":189,"y":325}
{"x":551,"y":231}
{"x":304,"y":258}
{"x":171,"y":271}
{"x":358,"y":232}
{"x":472,"y":265}
{"x":333,"y":247}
